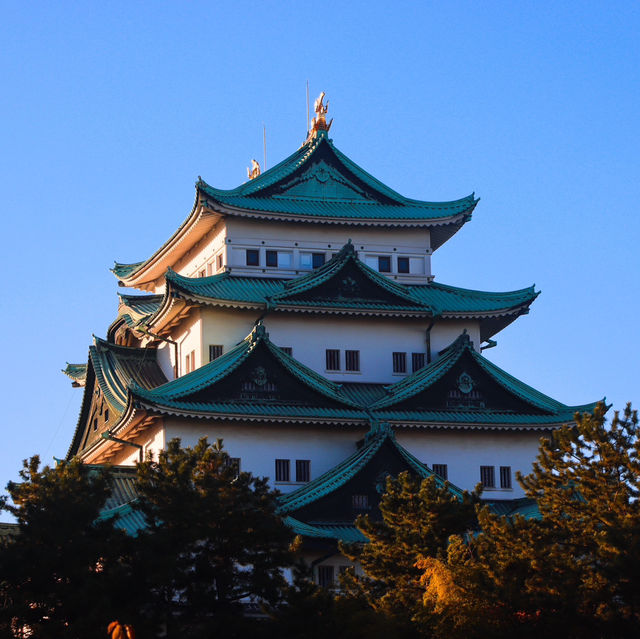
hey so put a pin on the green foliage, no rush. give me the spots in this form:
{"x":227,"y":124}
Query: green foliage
{"x":62,"y":575}
{"x":214,"y":540}
{"x":418,"y":518}
{"x":571,"y":573}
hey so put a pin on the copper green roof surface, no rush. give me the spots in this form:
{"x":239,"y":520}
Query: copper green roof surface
{"x":141,"y":304}
{"x":124,"y":270}
{"x":544,"y":409}
{"x":77,"y":372}
{"x":319,"y":181}
{"x":430,"y":299}
{"x":177,"y":393}
{"x":350,"y":467}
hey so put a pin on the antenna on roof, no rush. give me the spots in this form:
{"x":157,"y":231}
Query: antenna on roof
{"x":307,"y":127}
{"x":264,"y":143}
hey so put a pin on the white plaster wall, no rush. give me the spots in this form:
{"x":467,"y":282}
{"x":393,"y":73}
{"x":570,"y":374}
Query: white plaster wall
{"x":166,"y":357}
{"x":263,"y":235}
{"x":188,"y":335}
{"x":464,"y":451}
{"x":151,"y":439}
{"x":309,"y":336}
{"x":258,"y":446}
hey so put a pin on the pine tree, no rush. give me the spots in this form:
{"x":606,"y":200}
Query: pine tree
{"x":62,"y":574}
{"x":214,"y":541}
{"x":418,"y":517}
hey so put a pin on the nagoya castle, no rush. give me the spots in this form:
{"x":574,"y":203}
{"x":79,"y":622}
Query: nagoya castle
{"x":297,"y":318}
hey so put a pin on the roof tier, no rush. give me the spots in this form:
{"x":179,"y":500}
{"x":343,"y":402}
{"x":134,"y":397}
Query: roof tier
{"x":316,"y":184}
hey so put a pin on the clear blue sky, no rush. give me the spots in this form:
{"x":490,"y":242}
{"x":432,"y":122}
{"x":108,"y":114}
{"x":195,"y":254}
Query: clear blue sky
{"x":110,"y":111}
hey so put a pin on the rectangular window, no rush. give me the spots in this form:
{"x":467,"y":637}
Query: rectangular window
{"x":272,"y":258}
{"x":384,"y":264}
{"x":403,"y":265}
{"x":505,"y":476}
{"x":360,"y":502}
{"x":282,"y":469}
{"x":399,"y":362}
{"x":253,"y":257}
{"x":215,"y":350}
{"x":202,"y":273}
{"x":441,"y":470}
{"x":333,"y":359}
{"x":284,"y":259}
{"x":352,"y":360}
{"x":487,"y":476}
{"x":325,"y":576}
{"x":317,"y":260}
{"x":95,"y":423}
{"x":219,"y":261}
{"x":417,"y":361}
{"x":106,"y":419}
{"x":209,"y":269}
{"x":187,"y":363}
{"x":287,"y":349}
{"x":303,"y":469}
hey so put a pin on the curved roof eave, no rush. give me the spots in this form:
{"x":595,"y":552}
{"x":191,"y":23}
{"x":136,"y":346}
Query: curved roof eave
{"x":199,"y":221}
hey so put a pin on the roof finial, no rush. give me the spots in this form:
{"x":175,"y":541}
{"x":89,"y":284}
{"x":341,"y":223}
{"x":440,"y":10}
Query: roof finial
{"x":319,"y":122}
{"x":254,"y":171}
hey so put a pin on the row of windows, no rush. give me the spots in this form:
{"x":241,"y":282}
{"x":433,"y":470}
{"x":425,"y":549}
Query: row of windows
{"x":327,"y":575}
{"x":283,"y":259}
{"x":487,"y":475}
{"x":283,"y":470}
{"x":212,"y":267}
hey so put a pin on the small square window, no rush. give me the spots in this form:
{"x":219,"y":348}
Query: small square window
{"x":417,"y":361}
{"x":287,"y":349}
{"x":215,"y":350}
{"x":333,"y":359}
{"x":352,"y":360}
{"x":441,"y":470}
{"x":505,"y":476}
{"x":253,"y":257}
{"x":303,"y":470}
{"x":487,"y":476}
{"x":272,"y":258}
{"x":399,"y":362}
{"x":325,"y":576}
{"x":282,"y":469}
{"x":384,"y":264}
{"x":317,"y":260}
{"x":403,"y":265}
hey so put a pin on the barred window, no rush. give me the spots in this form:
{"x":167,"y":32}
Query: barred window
{"x":325,"y":576}
{"x":352,"y":360}
{"x":399,"y":362}
{"x":317,"y":259}
{"x":505,"y":476}
{"x":272,"y":258}
{"x":282,"y":469}
{"x":441,"y":470}
{"x":253,"y":257}
{"x":403,"y":265}
{"x":303,"y":469}
{"x":384,"y":264}
{"x":333,"y":359}
{"x":215,"y":350}
{"x":360,"y":502}
{"x":417,"y":361}
{"x":487,"y":476}
{"x":287,"y":349}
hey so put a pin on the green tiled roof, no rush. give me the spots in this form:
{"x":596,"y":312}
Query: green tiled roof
{"x":553,"y":411}
{"x":117,"y":366}
{"x":77,"y":372}
{"x":432,"y":299}
{"x":124,"y":270}
{"x":350,"y":467}
{"x":141,"y":304}
{"x":339,"y":531}
{"x":177,"y":393}
{"x":319,"y":181}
